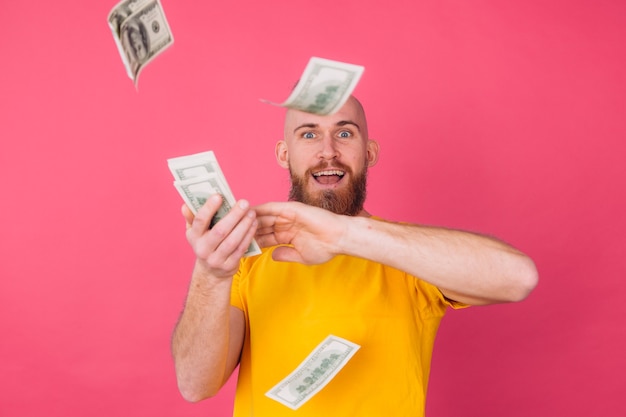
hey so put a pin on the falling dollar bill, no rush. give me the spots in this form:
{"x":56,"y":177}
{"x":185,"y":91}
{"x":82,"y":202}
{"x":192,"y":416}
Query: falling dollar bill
{"x":199,"y":176}
{"x":324,"y":87}
{"x":121,"y":12}
{"x":140,"y":31}
{"x":317,"y":370}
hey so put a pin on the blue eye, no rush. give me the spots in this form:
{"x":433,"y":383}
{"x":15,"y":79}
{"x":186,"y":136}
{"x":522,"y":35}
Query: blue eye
{"x":345,"y":134}
{"x":308,"y":135}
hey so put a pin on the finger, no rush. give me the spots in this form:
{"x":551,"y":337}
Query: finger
{"x":247,"y":240}
{"x":275,"y":209}
{"x":227,"y":233}
{"x":265,"y":209}
{"x":187,"y":214}
{"x":266,"y":239}
{"x":229,"y":250}
{"x":266,"y":222}
{"x":266,"y":226}
{"x":202,"y":220}
{"x":286,"y":254}
{"x":280,"y":216}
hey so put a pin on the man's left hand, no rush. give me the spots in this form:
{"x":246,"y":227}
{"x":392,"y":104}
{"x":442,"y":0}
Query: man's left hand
{"x":314,"y":234}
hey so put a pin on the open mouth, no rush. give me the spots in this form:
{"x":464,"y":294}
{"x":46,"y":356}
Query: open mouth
{"x":329,"y":176}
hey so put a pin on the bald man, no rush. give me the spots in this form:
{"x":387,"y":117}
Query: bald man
{"x":328,"y":267}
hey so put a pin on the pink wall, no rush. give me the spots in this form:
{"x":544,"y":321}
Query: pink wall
{"x":506,"y":117}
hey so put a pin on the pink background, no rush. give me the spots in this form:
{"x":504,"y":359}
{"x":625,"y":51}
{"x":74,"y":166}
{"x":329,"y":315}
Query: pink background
{"x":505,"y":117}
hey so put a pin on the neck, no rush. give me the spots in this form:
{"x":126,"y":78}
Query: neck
{"x":363,"y":213}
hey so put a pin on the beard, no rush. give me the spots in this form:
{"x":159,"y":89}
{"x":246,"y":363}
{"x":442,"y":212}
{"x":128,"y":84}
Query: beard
{"x":348,"y":200}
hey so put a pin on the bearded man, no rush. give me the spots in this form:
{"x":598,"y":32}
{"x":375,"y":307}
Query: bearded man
{"x":328,"y":268}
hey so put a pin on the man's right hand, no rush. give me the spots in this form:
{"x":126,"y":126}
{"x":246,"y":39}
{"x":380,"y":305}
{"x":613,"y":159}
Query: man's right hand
{"x":219,"y":249}
{"x":208,"y":337}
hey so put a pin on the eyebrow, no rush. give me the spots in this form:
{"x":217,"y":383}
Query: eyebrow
{"x":339,"y":123}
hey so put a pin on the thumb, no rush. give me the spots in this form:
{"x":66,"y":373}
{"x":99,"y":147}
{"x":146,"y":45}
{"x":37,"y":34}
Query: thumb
{"x":286,"y":254}
{"x":187,"y":214}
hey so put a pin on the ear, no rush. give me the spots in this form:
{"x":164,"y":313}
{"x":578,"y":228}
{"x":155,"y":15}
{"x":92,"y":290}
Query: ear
{"x":282,"y":156}
{"x":372,"y":152}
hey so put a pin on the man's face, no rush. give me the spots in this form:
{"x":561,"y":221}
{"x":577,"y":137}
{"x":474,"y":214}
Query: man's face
{"x":328,"y":157}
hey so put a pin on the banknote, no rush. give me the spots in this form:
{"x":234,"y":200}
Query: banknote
{"x":121,"y":12}
{"x":141,"y":33}
{"x":199,"y":176}
{"x":317,"y":370}
{"x":196,"y":165}
{"x":324,"y":86}
{"x":196,"y":191}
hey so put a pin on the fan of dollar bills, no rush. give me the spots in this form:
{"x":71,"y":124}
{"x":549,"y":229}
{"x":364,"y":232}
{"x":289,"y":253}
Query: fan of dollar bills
{"x":199,"y":176}
{"x":141,"y":32}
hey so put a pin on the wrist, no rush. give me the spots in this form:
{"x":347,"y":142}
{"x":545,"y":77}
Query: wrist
{"x":207,"y":278}
{"x":351,"y":234}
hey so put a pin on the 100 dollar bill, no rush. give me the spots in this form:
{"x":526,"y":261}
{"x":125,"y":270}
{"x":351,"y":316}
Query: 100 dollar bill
{"x":196,"y":165}
{"x":141,"y":32}
{"x":197,"y":177}
{"x":196,"y":191}
{"x":324,"y":87}
{"x":314,"y":373}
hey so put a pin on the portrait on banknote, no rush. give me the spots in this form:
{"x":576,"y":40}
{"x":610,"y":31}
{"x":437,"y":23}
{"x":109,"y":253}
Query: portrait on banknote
{"x":136,"y":43}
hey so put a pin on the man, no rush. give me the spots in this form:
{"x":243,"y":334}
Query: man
{"x":329,"y":268}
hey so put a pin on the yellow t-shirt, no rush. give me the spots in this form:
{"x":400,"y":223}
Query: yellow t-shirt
{"x":290,"y":308}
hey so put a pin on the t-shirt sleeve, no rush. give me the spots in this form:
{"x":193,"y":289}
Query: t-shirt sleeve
{"x":235,"y":293}
{"x":454,"y":304}
{"x":434,"y":300}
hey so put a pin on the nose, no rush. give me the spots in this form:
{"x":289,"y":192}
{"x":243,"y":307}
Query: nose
{"x":328,"y":148}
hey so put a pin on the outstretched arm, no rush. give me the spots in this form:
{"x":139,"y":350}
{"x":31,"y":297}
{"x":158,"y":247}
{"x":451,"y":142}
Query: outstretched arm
{"x":208,"y":337}
{"x":466,"y":267}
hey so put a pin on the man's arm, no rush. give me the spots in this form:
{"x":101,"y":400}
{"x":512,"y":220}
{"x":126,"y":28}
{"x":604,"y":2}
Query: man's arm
{"x":466,"y":267}
{"x":208,"y":337}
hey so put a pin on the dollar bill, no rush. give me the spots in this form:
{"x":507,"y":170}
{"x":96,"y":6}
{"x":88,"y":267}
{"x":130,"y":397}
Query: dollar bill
{"x":317,"y":370}
{"x":196,"y":165}
{"x":199,"y":176}
{"x":324,"y":87}
{"x":121,"y":12}
{"x":141,"y":33}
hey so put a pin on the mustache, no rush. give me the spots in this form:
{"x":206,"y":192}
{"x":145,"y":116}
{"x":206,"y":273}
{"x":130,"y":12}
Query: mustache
{"x":326,"y":165}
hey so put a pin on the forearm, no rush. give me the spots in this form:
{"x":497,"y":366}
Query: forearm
{"x":467,"y":267}
{"x":200,"y":343}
